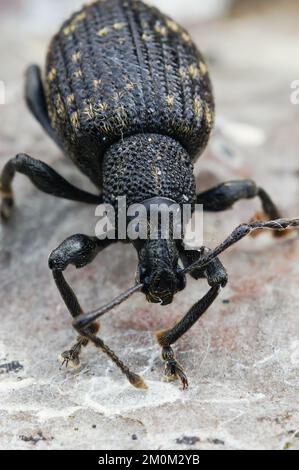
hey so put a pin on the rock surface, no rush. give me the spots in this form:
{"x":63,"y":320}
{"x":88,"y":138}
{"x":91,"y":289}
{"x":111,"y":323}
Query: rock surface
{"x":242,"y":358}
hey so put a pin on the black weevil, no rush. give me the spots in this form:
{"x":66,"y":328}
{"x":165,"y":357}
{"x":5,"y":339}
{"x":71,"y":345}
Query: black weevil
{"x":127,"y":96}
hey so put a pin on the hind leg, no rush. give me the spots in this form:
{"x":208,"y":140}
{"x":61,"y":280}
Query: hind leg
{"x":36,"y":100}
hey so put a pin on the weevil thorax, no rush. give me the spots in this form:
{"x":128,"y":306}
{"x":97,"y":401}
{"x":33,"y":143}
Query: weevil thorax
{"x":145,"y":166}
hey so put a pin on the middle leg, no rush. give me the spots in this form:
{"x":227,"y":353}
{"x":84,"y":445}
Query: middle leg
{"x":43,"y":177}
{"x":223,"y":197}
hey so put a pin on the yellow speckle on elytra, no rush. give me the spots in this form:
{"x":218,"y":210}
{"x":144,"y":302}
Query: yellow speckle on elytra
{"x":170,"y":100}
{"x":73,"y":24}
{"x":203,"y":68}
{"x":182,"y":72}
{"x":59,"y":105}
{"x":103,"y":107}
{"x":76,"y":57}
{"x":80,"y":17}
{"x":75,"y":119}
{"x":130,"y":86}
{"x":144,"y":24}
{"x":173,"y":26}
{"x":146,"y":37}
{"x":103,"y":32}
{"x":89,"y":112}
{"x":208,"y":115}
{"x":186,"y":37}
{"x":119,"y":26}
{"x":78,"y":73}
{"x":52,"y":74}
{"x":119,"y":95}
{"x":97,"y":83}
{"x":181,"y":128}
{"x":120,"y":109}
{"x":197,"y":106}
{"x":69,"y":29}
{"x":161,"y":29}
{"x":70,"y":99}
{"x":121,"y":115}
{"x":193,"y":71}
{"x":106,"y":128}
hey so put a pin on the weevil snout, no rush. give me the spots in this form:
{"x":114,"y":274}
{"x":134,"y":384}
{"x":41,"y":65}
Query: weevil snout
{"x":159,"y":272}
{"x":163,"y":287}
{"x":160,"y":287}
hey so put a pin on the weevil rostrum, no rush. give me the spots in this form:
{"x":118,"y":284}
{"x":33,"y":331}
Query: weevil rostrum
{"x":127,"y":96}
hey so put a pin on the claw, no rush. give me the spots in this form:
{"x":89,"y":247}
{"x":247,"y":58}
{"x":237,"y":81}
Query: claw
{"x":70,"y":358}
{"x":174,"y":371}
{"x":183,"y":378}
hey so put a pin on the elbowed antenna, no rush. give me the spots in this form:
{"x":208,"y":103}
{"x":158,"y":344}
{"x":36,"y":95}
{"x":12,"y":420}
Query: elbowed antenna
{"x":81,"y":325}
{"x":82,"y":321}
{"x":240,"y":232}
{"x":134,"y":379}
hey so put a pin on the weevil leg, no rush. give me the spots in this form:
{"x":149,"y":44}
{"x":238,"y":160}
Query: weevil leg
{"x":43,"y":177}
{"x":216,"y":276}
{"x":36,"y":100}
{"x":71,"y":357}
{"x":223,"y":197}
{"x":80,"y":250}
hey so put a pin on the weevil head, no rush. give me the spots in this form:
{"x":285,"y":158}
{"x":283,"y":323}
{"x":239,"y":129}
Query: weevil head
{"x":159,"y":271}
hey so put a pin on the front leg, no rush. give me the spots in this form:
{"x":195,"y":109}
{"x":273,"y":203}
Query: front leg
{"x":216,"y":276}
{"x":79,"y":251}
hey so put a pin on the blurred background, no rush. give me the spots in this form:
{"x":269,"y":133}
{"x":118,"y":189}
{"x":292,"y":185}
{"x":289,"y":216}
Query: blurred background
{"x":242,"y":357}
{"x":189,"y":11}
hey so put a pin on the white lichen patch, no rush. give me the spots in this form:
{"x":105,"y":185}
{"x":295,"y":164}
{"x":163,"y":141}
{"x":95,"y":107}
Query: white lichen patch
{"x":111,"y":397}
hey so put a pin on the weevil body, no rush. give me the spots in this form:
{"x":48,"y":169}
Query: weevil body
{"x":127,"y":96}
{"x":121,"y":68}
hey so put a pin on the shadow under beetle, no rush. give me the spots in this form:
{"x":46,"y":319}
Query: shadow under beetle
{"x":127,"y":96}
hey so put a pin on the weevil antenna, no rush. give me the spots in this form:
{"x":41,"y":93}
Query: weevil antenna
{"x":240,"y":232}
{"x":81,"y":323}
{"x":83,"y":320}
{"x":134,"y":379}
